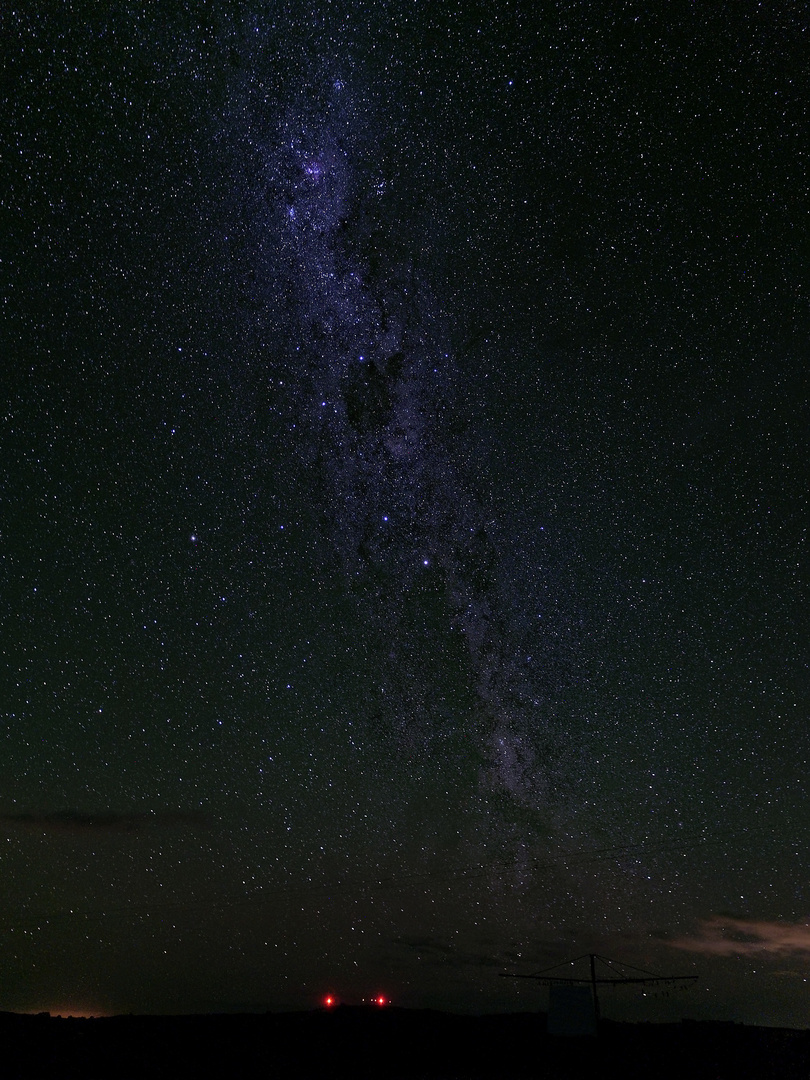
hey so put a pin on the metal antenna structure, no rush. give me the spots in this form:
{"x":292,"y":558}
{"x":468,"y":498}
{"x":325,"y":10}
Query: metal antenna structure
{"x":639,"y":976}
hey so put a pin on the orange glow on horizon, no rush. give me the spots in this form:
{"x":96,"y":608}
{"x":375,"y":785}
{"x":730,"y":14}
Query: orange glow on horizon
{"x":74,"y":1012}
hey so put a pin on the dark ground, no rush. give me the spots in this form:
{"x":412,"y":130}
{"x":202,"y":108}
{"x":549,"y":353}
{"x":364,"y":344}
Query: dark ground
{"x":390,"y":1042}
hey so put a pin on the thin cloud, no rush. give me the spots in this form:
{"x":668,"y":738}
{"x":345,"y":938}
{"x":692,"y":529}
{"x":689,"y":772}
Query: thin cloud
{"x":440,"y":954}
{"x":425,"y":944}
{"x":76,"y":823}
{"x":731,"y":935}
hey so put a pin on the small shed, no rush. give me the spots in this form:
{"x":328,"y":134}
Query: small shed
{"x":571,"y":1010}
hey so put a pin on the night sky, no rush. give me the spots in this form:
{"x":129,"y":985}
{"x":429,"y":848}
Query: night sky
{"x":404,"y":488}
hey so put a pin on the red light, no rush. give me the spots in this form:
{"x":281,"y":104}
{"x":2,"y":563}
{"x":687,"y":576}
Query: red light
{"x":380,"y":1000}
{"x":329,"y":1001}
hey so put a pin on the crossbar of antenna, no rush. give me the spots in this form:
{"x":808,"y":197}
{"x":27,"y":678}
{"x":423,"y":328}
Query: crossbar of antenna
{"x":553,"y":980}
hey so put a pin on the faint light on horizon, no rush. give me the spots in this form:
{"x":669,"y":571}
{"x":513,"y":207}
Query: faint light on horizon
{"x":76,"y":1012}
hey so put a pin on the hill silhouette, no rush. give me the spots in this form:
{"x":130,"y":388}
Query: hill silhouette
{"x":397,"y":1043}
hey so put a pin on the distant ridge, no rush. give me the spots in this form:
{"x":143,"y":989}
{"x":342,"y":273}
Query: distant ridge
{"x":402,"y":1044}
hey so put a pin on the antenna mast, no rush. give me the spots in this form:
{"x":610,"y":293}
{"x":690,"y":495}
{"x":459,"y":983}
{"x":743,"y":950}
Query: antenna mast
{"x":640,"y":978}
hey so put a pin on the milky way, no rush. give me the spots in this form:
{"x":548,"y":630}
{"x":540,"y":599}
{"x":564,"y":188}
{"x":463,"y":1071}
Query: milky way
{"x":364,"y":348}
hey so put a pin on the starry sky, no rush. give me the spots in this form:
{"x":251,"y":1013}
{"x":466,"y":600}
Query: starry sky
{"x":404,"y":488}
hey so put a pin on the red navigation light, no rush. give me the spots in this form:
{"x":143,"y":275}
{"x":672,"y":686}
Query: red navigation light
{"x":381,"y":1000}
{"x":329,"y":1001}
